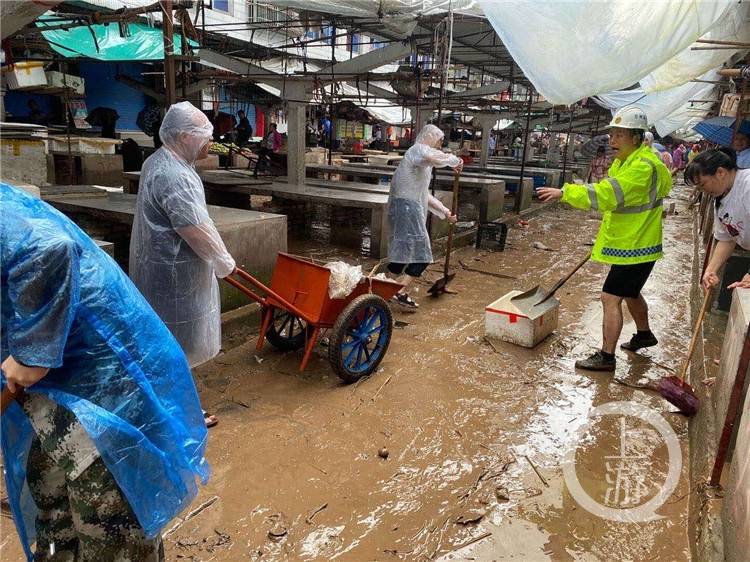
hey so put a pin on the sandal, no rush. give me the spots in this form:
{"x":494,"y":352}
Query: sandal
{"x":210,"y":419}
{"x":405,"y":301}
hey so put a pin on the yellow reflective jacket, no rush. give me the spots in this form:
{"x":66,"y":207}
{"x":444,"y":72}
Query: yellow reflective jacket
{"x":630,"y":200}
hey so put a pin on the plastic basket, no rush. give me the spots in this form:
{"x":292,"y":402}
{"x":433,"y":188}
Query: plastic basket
{"x":492,"y":235}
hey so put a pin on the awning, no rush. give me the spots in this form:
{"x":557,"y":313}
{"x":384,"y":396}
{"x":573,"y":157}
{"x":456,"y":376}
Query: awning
{"x":104,"y":42}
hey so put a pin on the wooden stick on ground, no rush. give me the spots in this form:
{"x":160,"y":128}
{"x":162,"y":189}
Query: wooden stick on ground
{"x":539,"y":474}
{"x":472,"y":541}
{"x":485,"y":272}
{"x":309,"y":518}
{"x":381,"y":387}
{"x":473,"y":488}
{"x":492,"y":345}
{"x":205,"y":505}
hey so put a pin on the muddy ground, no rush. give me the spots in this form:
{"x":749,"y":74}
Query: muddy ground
{"x":475,"y":432}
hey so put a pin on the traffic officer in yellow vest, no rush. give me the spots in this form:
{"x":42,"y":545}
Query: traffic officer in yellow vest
{"x":630,"y":236}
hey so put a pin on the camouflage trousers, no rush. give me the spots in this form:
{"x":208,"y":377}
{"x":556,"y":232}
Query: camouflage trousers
{"x":82,"y":517}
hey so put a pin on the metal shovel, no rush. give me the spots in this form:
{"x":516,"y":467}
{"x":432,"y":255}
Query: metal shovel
{"x":441,"y":285}
{"x":536,"y":295}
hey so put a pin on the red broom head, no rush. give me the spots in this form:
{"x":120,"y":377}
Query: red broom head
{"x":679,"y":394}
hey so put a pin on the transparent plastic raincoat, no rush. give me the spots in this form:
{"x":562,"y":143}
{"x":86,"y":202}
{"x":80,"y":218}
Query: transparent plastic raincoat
{"x":410,"y":199}
{"x":175,"y":251}
{"x":68,"y":306}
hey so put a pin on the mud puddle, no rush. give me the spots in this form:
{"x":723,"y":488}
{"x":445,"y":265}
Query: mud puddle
{"x":476,"y":434}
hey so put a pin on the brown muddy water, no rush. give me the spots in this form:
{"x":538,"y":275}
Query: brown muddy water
{"x":476,"y":433}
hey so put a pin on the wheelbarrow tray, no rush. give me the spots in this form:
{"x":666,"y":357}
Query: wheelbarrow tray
{"x":305,"y":285}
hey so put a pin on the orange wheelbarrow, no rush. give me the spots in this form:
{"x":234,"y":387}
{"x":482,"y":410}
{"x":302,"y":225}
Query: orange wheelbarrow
{"x":297,"y":310}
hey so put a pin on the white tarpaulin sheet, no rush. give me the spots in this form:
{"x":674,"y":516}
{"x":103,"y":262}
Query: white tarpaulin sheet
{"x":689,"y":63}
{"x":501,"y":124}
{"x":683,"y":119}
{"x":577,"y":48}
{"x":668,"y":110}
{"x":659,"y":105}
{"x":397,"y":15}
{"x":380,"y":109}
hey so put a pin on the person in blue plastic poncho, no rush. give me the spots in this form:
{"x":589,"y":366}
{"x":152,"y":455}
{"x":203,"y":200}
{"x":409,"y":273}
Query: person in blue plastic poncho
{"x":105,"y":439}
{"x":176,"y":253}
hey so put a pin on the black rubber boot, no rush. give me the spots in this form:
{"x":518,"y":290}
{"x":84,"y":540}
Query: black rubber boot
{"x":596,"y":362}
{"x":639,"y":341}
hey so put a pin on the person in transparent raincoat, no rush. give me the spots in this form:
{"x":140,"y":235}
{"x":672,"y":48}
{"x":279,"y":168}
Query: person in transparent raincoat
{"x":176,"y":253}
{"x":409,"y":249}
{"x":104,"y":439}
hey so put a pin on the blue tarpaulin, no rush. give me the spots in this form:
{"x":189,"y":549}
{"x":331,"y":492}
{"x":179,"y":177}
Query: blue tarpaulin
{"x":104,"y":41}
{"x":720,"y":129}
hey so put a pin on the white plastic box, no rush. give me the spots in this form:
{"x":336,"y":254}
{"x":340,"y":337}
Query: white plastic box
{"x":83,"y":145}
{"x":88,"y":145}
{"x":58,"y":81}
{"x":23,"y":75}
{"x":504,"y":321}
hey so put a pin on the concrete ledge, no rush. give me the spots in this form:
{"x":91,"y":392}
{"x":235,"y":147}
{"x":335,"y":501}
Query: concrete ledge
{"x":719,"y":523}
{"x":705,"y":524}
{"x":252,"y":238}
{"x":735,"y":480}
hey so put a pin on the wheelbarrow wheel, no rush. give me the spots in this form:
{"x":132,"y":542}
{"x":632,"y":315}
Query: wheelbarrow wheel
{"x":287,"y":332}
{"x":360,"y":337}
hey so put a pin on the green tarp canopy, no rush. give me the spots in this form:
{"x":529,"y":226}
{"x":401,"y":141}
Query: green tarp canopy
{"x":143,"y":43}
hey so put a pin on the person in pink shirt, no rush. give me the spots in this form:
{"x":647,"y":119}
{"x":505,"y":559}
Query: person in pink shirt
{"x":270,"y":145}
{"x":666,"y":158}
{"x":273,"y":138}
{"x":677,"y":158}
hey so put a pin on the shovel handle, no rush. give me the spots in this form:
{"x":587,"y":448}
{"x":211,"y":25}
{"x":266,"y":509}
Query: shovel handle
{"x":451,"y":227}
{"x":564,"y":280}
{"x":698,"y":322}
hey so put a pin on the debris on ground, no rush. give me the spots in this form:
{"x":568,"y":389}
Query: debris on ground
{"x":541,"y":246}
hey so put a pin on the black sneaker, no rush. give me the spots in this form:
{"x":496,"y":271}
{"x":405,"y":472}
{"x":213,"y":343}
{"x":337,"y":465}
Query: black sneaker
{"x":405,"y":301}
{"x":597,"y":362}
{"x":639,"y":341}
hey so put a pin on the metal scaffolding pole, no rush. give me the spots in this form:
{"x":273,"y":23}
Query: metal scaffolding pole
{"x":170,"y":90}
{"x":567,"y":143}
{"x":519,"y":195}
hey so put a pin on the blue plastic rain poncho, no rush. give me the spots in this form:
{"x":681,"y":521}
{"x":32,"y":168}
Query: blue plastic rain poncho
{"x":410,"y":199}
{"x":175,"y":251}
{"x":67,"y":305}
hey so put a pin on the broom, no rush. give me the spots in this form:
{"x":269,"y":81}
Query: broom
{"x":674,"y":389}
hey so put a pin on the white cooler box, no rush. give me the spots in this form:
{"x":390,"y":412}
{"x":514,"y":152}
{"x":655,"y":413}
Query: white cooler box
{"x":23,"y":75}
{"x":504,"y":321}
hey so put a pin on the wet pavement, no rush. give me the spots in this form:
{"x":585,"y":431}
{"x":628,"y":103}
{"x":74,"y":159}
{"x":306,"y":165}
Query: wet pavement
{"x":476,"y":432}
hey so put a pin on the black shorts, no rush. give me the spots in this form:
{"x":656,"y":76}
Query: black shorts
{"x":412,"y":269}
{"x":626,"y":281}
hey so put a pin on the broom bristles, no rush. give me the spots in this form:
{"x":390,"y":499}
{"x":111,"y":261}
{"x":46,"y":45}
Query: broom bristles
{"x":679,"y":394}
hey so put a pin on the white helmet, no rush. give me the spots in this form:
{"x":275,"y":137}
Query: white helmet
{"x":630,"y":117}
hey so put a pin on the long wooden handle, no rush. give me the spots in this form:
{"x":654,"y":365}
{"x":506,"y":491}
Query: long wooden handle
{"x":696,"y":330}
{"x":451,"y":227}
{"x":6,"y":398}
{"x":564,"y":280}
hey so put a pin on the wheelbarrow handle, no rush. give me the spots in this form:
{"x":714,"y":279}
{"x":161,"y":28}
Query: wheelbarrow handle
{"x":242,"y":288}
{"x":256,"y":297}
